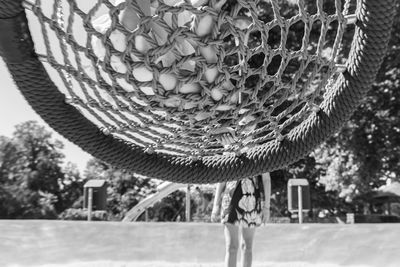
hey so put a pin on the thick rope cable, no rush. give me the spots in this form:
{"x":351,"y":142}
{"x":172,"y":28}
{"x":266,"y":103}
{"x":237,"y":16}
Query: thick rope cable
{"x":275,"y":149}
{"x":191,"y":141}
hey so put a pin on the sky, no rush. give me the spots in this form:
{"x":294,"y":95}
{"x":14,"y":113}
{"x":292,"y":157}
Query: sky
{"x":14,"y":109}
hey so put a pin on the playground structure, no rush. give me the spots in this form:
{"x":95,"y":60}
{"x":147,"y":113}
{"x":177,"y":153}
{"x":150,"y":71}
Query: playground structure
{"x":163,"y":190}
{"x":139,"y":132}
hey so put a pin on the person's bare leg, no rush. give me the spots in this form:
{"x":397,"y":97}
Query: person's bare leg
{"x":247,"y":246}
{"x":231,"y":244}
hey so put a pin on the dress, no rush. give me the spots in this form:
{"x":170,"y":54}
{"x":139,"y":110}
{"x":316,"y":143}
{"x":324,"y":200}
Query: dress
{"x":242,"y":202}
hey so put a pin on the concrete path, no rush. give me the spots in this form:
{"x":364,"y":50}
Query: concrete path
{"x":112,"y":244}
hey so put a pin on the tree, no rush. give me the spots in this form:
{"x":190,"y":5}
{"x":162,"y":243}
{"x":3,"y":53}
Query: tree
{"x":71,"y":187}
{"x":9,"y":156}
{"x":41,"y":157}
{"x":31,"y":173}
{"x":365,"y":153}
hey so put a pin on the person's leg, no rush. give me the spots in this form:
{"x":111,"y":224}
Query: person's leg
{"x":247,"y":246}
{"x":231,"y":244}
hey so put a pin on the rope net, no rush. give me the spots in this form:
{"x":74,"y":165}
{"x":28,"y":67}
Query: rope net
{"x":172,"y":74}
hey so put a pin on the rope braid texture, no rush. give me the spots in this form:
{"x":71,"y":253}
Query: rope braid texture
{"x":296,"y":97}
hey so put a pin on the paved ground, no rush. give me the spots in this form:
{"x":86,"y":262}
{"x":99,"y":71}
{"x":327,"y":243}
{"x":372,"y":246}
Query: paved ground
{"x":115,"y":244}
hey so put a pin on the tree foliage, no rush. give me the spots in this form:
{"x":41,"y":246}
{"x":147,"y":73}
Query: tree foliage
{"x":365,"y":153}
{"x":32,"y":181}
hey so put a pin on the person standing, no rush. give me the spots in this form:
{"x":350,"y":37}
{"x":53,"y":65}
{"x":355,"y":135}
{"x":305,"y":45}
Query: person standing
{"x":241,"y":206}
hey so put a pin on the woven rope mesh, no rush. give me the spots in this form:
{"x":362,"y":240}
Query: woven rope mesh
{"x":183,"y":71}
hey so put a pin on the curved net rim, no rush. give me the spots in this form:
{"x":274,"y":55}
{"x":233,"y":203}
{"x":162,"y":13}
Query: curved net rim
{"x":368,"y":48}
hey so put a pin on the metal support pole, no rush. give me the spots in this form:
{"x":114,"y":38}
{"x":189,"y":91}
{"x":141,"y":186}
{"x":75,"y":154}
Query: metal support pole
{"x":90,"y":203}
{"x":300,"y":201}
{"x":187,"y":203}
{"x":146,"y":215}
